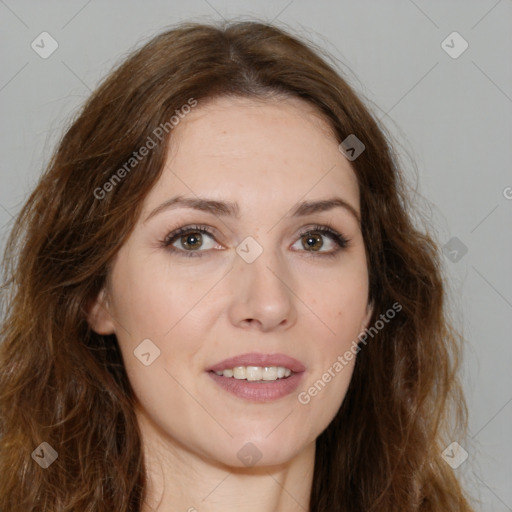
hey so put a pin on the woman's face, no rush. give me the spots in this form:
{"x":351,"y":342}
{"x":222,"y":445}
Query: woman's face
{"x":261,"y":284}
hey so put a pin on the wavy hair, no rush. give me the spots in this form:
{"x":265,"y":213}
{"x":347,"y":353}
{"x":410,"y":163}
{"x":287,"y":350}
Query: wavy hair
{"x":64,"y":384}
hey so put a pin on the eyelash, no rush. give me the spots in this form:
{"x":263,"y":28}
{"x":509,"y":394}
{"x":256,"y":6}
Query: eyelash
{"x":326,"y":230}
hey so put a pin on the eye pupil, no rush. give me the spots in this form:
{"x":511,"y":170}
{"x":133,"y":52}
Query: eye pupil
{"x":313,"y":241}
{"x":192,"y":240}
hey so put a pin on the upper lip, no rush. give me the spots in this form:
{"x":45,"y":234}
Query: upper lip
{"x":255,"y":359}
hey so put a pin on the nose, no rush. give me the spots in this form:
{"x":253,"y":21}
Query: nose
{"x":262,"y":293}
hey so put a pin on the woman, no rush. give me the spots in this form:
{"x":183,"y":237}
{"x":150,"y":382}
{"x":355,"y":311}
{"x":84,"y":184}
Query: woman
{"x":218,"y":299}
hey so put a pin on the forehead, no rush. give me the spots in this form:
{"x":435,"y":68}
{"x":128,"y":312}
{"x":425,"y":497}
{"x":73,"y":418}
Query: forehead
{"x":281,"y":148}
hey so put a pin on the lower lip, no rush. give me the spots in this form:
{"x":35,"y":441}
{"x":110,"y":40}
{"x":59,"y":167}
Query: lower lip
{"x":266,"y":391}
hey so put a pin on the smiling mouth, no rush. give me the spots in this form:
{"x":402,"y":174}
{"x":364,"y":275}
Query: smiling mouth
{"x":255,"y":373}
{"x":277,"y":377}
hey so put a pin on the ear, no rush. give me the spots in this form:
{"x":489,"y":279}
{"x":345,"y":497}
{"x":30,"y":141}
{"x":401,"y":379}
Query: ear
{"x":99,"y":316}
{"x":366,"y":320}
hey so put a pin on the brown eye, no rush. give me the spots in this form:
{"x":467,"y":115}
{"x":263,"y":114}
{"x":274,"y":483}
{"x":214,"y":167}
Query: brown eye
{"x":192,"y":240}
{"x":321,"y":241}
{"x":312,"y":240}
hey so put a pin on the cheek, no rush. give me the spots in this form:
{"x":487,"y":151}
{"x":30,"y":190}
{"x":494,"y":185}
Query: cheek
{"x":150,"y":301}
{"x":171,"y":311}
{"x":343,"y":317}
{"x":340,"y":302}
{"x":340,"y":306}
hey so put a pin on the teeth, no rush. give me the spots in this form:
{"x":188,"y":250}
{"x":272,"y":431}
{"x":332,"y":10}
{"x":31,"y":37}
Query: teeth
{"x":256,"y":373}
{"x":269,"y":373}
{"x":239,"y":372}
{"x":253,"y":372}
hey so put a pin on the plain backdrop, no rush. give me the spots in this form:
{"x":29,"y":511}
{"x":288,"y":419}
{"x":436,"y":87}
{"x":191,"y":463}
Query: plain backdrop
{"x":447,"y":106}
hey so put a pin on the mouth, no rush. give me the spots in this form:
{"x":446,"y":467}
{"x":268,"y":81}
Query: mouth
{"x":258,"y":377}
{"x":256,"y":373}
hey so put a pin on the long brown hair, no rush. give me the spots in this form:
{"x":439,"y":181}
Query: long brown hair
{"x":63,"y":384}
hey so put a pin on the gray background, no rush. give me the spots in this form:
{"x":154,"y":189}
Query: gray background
{"x":450,"y":116}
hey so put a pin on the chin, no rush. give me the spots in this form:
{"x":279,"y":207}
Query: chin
{"x":254,"y":452}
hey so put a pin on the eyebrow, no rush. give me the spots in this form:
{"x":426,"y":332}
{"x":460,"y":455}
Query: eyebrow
{"x":226,"y":208}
